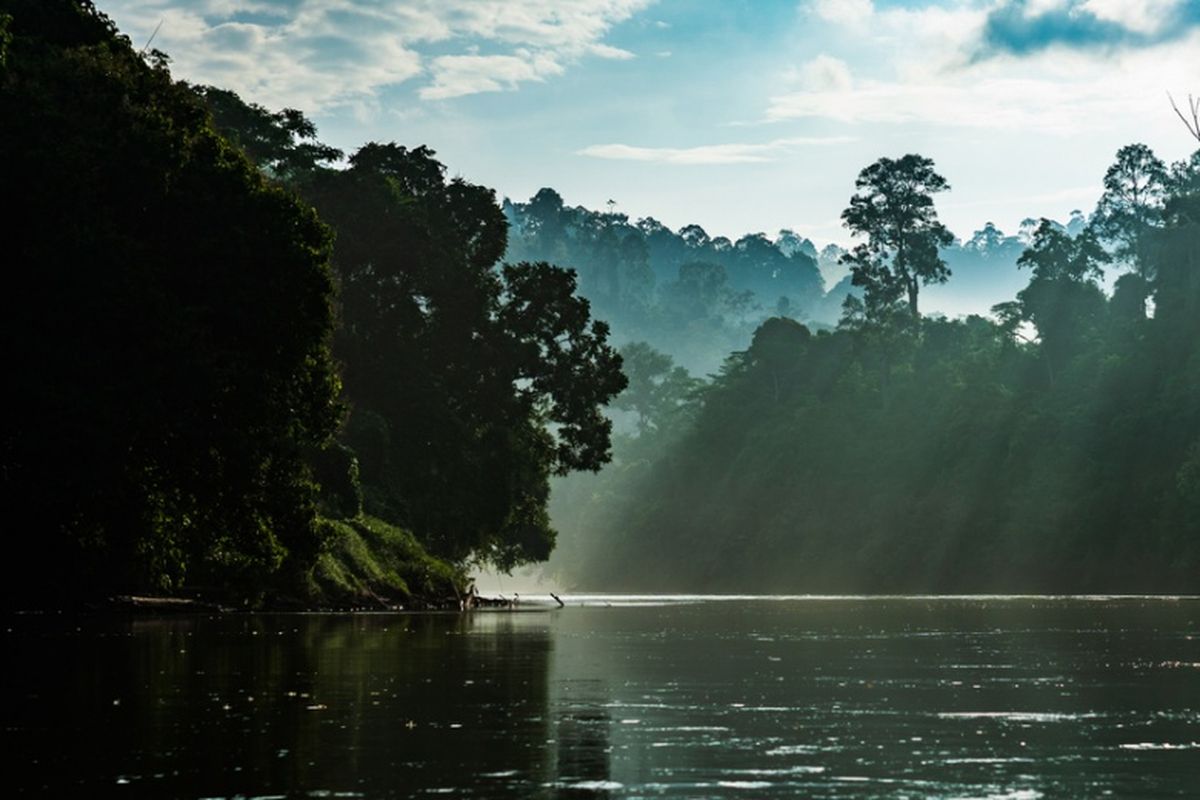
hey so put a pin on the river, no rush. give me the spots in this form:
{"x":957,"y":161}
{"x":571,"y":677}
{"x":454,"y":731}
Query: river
{"x":1012,"y":698}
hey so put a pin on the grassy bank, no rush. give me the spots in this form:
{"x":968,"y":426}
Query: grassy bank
{"x":371,"y":564}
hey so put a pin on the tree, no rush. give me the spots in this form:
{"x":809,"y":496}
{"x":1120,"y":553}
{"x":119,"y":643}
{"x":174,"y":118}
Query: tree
{"x":1193,"y":124}
{"x":701,"y":292}
{"x":776,"y":351}
{"x":1175,"y":249}
{"x":987,"y":240}
{"x":469,"y":384}
{"x":168,"y":313}
{"x":1132,"y":203}
{"x":1062,"y":299}
{"x":282,"y":143}
{"x":657,"y":388}
{"x":894,"y":209}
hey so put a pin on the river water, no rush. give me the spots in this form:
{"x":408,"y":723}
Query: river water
{"x":1007,"y":698}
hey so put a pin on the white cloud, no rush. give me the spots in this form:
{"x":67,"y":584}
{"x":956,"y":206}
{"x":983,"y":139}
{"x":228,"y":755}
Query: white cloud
{"x":455,"y":76}
{"x":608,"y":51}
{"x":989,"y":103}
{"x":824,"y":73}
{"x":315,"y":54}
{"x":843,"y":12}
{"x":739,"y":153}
{"x":931,"y":78}
{"x":1143,"y":16}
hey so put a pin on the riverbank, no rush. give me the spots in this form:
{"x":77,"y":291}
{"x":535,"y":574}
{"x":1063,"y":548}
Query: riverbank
{"x":368,"y":565}
{"x":374,"y":565}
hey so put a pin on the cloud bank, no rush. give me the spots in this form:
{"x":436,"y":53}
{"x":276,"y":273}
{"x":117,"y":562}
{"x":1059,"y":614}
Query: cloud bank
{"x":1021,"y":27}
{"x":315,"y":54}
{"x":1048,"y":66}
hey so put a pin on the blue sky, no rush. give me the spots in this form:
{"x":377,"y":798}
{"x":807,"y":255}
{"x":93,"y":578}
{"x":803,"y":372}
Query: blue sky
{"x":741,"y":116}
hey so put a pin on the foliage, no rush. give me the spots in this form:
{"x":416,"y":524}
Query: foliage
{"x":168,"y":313}
{"x":964,"y":455}
{"x":894,"y":209}
{"x":1063,"y":300}
{"x":686,"y":293}
{"x":373,"y":564}
{"x":1132,"y":203}
{"x":470,"y":385}
{"x":657,"y":389}
{"x":283,"y":143}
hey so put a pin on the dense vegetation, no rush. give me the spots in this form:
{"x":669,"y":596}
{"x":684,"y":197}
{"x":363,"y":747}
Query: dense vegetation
{"x":181,"y":324}
{"x":166,"y":319}
{"x":698,"y":297}
{"x":245,"y":362}
{"x":1055,"y":447}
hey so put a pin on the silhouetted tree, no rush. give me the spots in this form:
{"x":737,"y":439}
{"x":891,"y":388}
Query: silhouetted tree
{"x":1134,"y":188}
{"x":894,"y":209}
{"x":1063,"y":299}
{"x":657,"y":388}
{"x":168,"y":313}
{"x":470,"y":384}
{"x":282,"y":143}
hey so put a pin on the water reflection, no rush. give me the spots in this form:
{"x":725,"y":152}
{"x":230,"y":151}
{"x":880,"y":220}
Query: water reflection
{"x":582,"y":767}
{"x":366,"y":705}
{"x":1025,"y":698}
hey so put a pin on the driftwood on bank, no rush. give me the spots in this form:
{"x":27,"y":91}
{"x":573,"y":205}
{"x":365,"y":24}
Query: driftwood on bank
{"x":162,"y":605}
{"x":472,"y":600}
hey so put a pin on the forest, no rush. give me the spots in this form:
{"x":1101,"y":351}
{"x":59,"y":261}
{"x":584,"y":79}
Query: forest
{"x":247,"y":373}
{"x":1051,"y":446}
{"x":249,"y":365}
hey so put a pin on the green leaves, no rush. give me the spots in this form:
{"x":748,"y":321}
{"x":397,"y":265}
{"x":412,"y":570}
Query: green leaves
{"x":894,"y":209}
{"x":169,"y":313}
{"x":470,"y":384}
{"x":1132,"y":203}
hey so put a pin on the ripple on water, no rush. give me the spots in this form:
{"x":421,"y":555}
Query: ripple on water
{"x":796,"y":770}
{"x":586,"y":786}
{"x":798,"y":750}
{"x":1018,"y":716}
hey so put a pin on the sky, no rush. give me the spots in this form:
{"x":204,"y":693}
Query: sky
{"x":738,"y":115}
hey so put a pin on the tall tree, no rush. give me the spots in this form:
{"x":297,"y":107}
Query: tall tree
{"x":470,"y":384}
{"x":894,"y":209}
{"x":1063,"y":300}
{"x":1131,"y":206}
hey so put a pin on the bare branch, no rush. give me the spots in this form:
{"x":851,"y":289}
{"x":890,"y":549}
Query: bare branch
{"x":1192,"y":126}
{"x":146,"y":46}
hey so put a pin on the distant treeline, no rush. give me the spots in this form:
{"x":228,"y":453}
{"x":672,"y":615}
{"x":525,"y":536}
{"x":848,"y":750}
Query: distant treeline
{"x":698,"y":297}
{"x":1054,"y":447}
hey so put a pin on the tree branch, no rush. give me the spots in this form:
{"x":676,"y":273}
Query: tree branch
{"x":1193,"y":126}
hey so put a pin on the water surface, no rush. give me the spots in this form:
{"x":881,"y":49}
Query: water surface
{"x":1013,"y":698}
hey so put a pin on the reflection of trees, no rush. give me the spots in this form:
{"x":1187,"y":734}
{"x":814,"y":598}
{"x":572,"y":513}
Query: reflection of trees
{"x":286,"y":704}
{"x":582,"y":739}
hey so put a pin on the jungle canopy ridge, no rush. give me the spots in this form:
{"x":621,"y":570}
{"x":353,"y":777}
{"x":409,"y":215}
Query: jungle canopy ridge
{"x":1053,"y":447}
